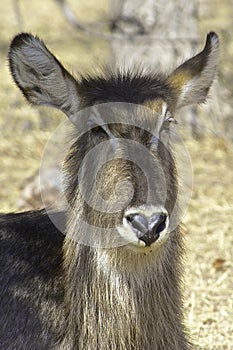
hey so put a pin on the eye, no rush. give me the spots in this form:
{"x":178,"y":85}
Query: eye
{"x":169,"y":119}
{"x":99,"y":131}
{"x":95,"y":124}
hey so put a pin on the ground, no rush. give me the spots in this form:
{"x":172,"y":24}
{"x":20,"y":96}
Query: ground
{"x":209,"y":220}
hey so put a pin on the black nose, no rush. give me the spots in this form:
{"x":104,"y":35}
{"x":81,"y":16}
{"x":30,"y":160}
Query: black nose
{"x":147,"y":229}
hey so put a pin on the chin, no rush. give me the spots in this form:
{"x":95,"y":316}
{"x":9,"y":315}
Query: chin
{"x":141,"y":248}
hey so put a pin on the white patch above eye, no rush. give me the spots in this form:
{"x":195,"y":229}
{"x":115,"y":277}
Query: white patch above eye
{"x":163,"y":114}
{"x":159,"y":126}
{"x":161,"y":118}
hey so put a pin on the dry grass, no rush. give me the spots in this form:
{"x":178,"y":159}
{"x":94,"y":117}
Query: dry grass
{"x":209,"y":273}
{"x":24,"y":131}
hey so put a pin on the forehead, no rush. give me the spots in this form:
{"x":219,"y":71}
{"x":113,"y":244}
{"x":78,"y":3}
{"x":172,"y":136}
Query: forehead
{"x":132,"y":87}
{"x":134,"y":99}
{"x":127,"y":116}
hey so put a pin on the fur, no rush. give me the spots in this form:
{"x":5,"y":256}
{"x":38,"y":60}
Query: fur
{"x":57,"y":293}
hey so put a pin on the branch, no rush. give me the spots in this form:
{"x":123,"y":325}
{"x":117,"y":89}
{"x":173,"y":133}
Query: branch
{"x":71,"y":18}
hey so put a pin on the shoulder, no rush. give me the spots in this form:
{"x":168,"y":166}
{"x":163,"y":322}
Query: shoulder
{"x":32,"y":236}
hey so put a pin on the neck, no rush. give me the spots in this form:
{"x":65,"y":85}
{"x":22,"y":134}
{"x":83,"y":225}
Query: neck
{"x":119,"y":299}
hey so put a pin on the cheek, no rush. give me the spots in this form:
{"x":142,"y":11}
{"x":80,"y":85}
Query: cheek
{"x":164,"y":137}
{"x":99,"y":219}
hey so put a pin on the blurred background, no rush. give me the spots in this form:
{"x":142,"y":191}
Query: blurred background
{"x":159,"y":35}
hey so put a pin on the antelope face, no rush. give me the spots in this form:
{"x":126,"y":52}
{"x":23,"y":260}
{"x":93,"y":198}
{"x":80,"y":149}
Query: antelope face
{"x":128,"y":180}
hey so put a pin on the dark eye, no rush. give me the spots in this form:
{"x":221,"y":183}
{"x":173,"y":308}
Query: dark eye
{"x":99,"y":131}
{"x":169,"y":120}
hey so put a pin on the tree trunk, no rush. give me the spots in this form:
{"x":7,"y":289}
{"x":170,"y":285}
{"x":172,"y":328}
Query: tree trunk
{"x":156,"y":34}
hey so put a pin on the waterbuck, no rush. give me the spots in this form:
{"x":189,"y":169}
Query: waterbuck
{"x":110,"y":276}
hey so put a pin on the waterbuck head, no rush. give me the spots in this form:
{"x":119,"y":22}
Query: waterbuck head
{"x":121,"y":173}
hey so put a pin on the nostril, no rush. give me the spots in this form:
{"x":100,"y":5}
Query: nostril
{"x":158,"y":222}
{"x":138,"y":222}
{"x":129,"y":218}
{"x":161,"y":227}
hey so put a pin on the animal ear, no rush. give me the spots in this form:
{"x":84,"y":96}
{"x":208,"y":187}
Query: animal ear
{"x":40,"y":76}
{"x":191,"y":81}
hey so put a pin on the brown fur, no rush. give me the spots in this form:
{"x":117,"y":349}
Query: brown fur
{"x":118,"y":296}
{"x":136,"y":305}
